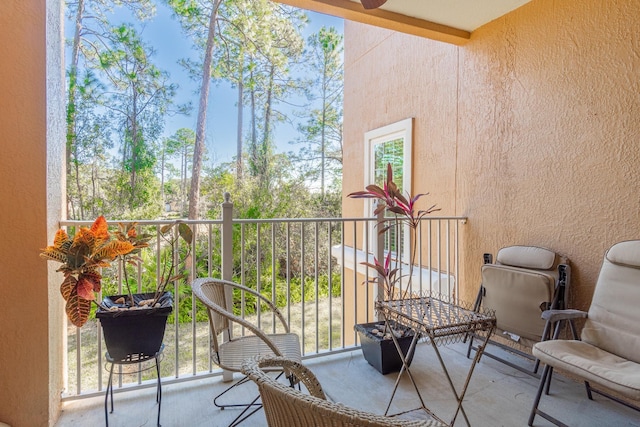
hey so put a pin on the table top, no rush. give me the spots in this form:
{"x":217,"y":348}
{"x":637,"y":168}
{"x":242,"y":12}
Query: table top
{"x":442,"y":320}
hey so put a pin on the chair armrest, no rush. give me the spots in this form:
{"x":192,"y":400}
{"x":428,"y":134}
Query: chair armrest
{"x":556,"y":315}
{"x":562,"y":291}
{"x":262,"y":298}
{"x":230,"y":316}
{"x":301,"y":372}
{"x":229,"y":313}
{"x":256,"y":331}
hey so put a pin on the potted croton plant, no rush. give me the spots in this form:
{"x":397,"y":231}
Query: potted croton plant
{"x":132,"y":323}
{"x":376,"y":341}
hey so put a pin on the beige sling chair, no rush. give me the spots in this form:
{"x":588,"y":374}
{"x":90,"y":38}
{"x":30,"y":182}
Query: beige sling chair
{"x":608,"y":353}
{"x":228,"y":351}
{"x":524,"y":281}
{"x":284,"y":406}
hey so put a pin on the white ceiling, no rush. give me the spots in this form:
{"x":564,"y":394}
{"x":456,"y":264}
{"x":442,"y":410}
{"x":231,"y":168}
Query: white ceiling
{"x":461,"y":14}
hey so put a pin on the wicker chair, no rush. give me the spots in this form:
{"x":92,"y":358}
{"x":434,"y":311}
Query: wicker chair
{"x":285,"y":406}
{"x":228,"y":351}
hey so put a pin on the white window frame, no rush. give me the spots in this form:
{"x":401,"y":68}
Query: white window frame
{"x":402,"y":129}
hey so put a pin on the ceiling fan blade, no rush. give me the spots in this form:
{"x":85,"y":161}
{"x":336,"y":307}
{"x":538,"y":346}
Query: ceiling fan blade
{"x":372,"y":4}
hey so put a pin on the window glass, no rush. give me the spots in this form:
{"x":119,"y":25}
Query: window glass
{"x":389,"y":144}
{"x":389,"y":152}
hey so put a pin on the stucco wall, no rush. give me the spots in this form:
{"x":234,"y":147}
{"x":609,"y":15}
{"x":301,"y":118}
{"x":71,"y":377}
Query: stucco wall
{"x":32,"y":141}
{"x":530,"y":129}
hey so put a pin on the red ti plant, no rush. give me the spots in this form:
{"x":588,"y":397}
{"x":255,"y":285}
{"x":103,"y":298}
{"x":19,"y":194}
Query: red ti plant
{"x":391,"y":199}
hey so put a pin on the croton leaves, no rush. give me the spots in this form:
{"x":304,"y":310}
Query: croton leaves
{"x":113,"y":249}
{"x":79,"y":250}
{"x":88,"y":283}
{"x":54,"y":254}
{"x":77,"y":309}
{"x":60,"y":238}
{"x":68,"y":285}
{"x":84,"y":288}
{"x":100,"y":230}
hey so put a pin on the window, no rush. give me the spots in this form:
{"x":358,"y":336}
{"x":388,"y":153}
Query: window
{"x":389,"y":144}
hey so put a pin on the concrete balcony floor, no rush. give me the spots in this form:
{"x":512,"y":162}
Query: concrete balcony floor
{"x":497,"y":396}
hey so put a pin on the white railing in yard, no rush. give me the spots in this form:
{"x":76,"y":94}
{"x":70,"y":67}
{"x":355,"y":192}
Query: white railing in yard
{"x":313,"y":257}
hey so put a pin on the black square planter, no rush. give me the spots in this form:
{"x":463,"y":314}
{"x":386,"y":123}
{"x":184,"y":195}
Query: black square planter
{"x":134,"y":332}
{"x":382,"y":353}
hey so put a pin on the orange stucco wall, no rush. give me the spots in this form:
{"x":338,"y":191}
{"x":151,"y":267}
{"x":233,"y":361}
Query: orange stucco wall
{"x":531,"y":129}
{"x":31,"y":142}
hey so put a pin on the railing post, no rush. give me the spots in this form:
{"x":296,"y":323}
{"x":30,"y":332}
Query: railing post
{"x":378,"y":250}
{"x":227,"y":238}
{"x":227,"y":261}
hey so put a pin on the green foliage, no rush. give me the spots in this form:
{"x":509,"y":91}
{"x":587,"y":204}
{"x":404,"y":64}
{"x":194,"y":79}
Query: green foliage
{"x":121,"y":166}
{"x":321,"y":133}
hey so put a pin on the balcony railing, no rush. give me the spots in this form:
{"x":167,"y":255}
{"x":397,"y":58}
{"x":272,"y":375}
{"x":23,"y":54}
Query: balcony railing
{"x":308,"y":266}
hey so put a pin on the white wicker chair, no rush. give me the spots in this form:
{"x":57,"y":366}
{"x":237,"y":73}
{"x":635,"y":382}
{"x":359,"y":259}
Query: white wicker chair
{"x":229,"y":351}
{"x":285,"y":406}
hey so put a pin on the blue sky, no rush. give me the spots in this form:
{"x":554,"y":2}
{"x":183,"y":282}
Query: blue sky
{"x":163,"y":32}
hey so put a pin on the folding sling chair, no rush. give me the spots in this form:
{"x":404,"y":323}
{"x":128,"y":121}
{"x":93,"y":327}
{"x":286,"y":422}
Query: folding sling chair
{"x":608,"y":353}
{"x":522,"y":283}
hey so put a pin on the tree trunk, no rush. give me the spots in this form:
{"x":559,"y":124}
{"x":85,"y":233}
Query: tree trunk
{"x":183,"y":178}
{"x":164,"y":148}
{"x":80,"y":202}
{"x":264,"y":151}
{"x":71,"y":102}
{"x":323,"y":146}
{"x":73,"y":79}
{"x":135,"y":144}
{"x":253,"y":147}
{"x":198,"y":152}
{"x":325,"y":107}
{"x":239,"y":130}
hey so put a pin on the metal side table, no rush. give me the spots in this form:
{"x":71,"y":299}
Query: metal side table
{"x":132,"y":359}
{"x":442,"y":322}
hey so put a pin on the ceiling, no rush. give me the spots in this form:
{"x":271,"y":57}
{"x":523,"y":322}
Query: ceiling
{"x":452,"y":21}
{"x":461,"y":14}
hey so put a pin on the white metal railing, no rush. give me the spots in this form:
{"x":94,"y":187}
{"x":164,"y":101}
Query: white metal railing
{"x":284,"y":258}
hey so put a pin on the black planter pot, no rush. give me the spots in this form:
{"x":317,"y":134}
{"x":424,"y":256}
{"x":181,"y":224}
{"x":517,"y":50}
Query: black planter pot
{"x":134,"y":332}
{"x":382,"y":353}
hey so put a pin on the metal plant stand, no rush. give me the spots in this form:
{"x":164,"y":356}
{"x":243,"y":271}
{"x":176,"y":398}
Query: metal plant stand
{"x":442,"y":322}
{"x":131,"y":359}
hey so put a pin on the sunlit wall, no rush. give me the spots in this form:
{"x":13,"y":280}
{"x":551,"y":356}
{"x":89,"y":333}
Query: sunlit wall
{"x":530,"y":129}
{"x":31,"y":161}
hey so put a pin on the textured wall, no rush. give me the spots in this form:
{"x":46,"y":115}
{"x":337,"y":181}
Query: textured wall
{"x":30,"y":173}
{"x":530,"y":129}
{"x":56,"y":194}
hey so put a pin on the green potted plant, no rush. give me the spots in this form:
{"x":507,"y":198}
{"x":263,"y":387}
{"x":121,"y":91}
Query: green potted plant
{"x":132,"y":323}
{"x":377,"y":344}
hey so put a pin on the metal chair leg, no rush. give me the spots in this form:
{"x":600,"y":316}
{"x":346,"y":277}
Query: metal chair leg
{"x":109,"y":392}
{"x":536,"y":402}
{"x":159,"y":389}
{"x":235,"y":405}
{"x":548,"y":385}
{"x":247,"y":406}
{"x":240,"y":418}
{"x":588,"y":387}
